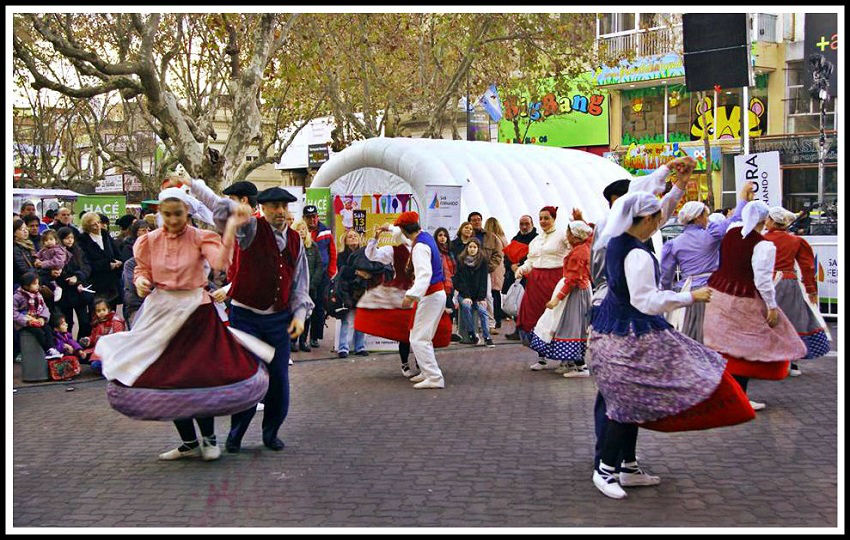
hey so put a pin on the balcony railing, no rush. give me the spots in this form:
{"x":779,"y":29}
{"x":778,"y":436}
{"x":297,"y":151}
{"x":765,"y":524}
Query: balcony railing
{"x":644,"y":42}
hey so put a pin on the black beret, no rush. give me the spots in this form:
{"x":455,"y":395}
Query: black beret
{"x":616,"y":189}
{"x":241,"y":189}
{"x":125,"y":221}
{"x":275,"y":194}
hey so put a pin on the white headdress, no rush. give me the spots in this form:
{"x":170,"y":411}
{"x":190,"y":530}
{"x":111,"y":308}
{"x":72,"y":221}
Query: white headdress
{"x":754,"y":213}
{"x":690,"y":211}
{"x":625,"y":209}
{"x":781,"y":216}
{"x":715,"y":217}
{"x":580,"y":229}
{"x":196,"y":208}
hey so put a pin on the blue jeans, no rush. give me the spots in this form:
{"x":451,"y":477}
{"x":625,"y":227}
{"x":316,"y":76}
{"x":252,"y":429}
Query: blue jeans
{"x":272,"y":329}
{"x":345,"y":328}
{"x":466,"y":315}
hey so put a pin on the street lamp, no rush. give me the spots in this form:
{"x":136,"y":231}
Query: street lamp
{"x":819,"y":90}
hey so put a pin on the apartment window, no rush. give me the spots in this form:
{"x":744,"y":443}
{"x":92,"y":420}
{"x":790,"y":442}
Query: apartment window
{"x":803,"y":112}
{"x":611,"y":23}
{"x":800,"y":186}
{"x":650,"y":20}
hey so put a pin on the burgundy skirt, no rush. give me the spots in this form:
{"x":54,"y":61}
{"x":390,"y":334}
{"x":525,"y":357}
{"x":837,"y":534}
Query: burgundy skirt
{"x":203,"y":353}
{"x":539,"y":287}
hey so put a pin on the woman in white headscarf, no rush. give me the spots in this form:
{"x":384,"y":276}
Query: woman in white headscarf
{"x":649,"y":375}
{"x":179,"y":362}
{"x":561,"y":332}
{"x":801,"y":309}
{"x":743,"y":321}
{"x":696,"y":253}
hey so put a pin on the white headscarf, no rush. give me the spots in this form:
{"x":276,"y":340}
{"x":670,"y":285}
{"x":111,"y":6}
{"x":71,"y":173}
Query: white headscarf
{"x":781,"y":216}
{"x":715,"y":217}
{"x":690,"y":211}
{"x":625,"y":209}
{"x":754,"y":213}
{"x":580,"y":229}
{"x":196,"y":208}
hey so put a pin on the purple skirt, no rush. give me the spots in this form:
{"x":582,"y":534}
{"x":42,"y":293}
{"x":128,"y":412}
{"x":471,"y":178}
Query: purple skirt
{"x":174,"y":404}
{"x":656,"y":375}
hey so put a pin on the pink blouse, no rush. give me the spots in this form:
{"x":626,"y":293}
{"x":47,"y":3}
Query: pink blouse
{"x":176,"y":261}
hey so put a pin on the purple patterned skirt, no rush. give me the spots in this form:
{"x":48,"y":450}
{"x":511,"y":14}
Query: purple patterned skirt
{"x":176,"y":403}
{"x":659,"y":374}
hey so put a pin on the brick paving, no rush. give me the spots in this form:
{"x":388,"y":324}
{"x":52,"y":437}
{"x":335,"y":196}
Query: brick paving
{"x":500,"y":446}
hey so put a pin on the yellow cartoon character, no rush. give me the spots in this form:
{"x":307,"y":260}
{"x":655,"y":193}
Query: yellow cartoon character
{"x":728,"y":120}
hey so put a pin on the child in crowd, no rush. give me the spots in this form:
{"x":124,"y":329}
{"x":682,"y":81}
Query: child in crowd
{"x":52,"y":254}
{"x":470,"y":282}
{"x":65,"y":342}
{"x":104,"y":322}
{"x":31,"y":314}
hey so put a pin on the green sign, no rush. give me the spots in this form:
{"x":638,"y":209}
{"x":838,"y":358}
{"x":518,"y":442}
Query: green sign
{"x":113,"y":206}
{"x":320,"y":197}
{"x":574,"y":118}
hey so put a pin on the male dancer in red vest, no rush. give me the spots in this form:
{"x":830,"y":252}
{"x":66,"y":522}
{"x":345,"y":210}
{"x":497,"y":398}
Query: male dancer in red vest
{"x":270,"y":298}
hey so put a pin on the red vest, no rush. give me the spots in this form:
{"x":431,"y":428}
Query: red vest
{"x":263,"y":275}
{"x":403,"y":279}
{"x":735,"y":274}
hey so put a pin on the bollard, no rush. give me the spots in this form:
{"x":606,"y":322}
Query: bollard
{"x":33,"y":363}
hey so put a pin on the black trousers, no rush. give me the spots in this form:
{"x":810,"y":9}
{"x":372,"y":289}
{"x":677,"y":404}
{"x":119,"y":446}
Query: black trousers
{"x":600,"y":420}
{"x":186,"y":428}
{"x":498,"y":314}
{"x":742,"y":381}
{"x":619,"y":444}
{"x":403,"y":352}
{"x":316,"y":323}
{"x":43,"y":335}
{"x":83,"y":311}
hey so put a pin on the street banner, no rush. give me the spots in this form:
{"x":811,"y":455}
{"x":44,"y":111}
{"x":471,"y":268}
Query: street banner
{"x":763,"y":169}
{"x":364,"y":213}
{"x":826,"y":272}
{"x":491,"y":103}
{"x":113,"y":206}
{"x":442,"y":205}
{"x":320,"y":197}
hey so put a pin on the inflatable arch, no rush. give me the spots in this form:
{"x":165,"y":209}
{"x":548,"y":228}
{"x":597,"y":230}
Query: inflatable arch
{"x":497,"y":179}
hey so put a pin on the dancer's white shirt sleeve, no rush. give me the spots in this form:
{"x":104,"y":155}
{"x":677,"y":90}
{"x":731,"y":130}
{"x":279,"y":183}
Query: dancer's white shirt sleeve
{"x":763,"y":260}
{"x":421,"y":270}
{"x":651,"y":183}
{"x":644,"y":294}
{"x":383,"y":255}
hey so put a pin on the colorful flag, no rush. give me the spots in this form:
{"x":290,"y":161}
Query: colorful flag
{"x":491,"y":103}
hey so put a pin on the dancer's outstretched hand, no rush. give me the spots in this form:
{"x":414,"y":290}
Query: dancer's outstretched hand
{"x":296,"y":328}
{"x":701,"y":295}
{"x":772,"y":317}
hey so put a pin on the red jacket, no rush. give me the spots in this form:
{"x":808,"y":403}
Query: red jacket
{"x":790,"y":248}
{"x":110,"y":325}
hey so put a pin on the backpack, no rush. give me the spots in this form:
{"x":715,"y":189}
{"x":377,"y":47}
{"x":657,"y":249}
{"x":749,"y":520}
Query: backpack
{"x":338,"y":301}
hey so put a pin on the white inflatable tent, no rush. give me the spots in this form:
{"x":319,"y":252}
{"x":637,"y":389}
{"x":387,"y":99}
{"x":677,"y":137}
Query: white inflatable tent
{"x":501,"y":180}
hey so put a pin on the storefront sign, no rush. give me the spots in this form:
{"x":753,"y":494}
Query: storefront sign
{"x":763,"y":170}
{"x":644,"y":68}
{"x":795,"y":150}
{"x":111,"y":183}
{"x":574,"y":118}
{"x":113,"y":206}
{"x":443,"y":208}
{"x":364,"y":213}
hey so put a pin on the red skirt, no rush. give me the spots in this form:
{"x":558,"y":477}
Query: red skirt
{"x":202,"y":354}
{"x":539,"y":287}
{"x":727,"y":406}
{"x":395,"y":324}
{"x":771,"y":371}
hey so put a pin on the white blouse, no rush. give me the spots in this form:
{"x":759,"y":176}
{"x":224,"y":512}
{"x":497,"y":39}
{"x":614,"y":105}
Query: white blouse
{"x":644,"y":293}
{"x":98,"y":239}
{"x":547,"y":250}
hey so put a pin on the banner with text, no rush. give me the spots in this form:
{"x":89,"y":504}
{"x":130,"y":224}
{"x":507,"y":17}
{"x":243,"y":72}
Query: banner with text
{"x":365,"y":213}
{"x":826,"y":271}
{"x":763,"y":169}
{"x":113,"y":206}
{"x":442,"y":208}
{"x":320,"y":197}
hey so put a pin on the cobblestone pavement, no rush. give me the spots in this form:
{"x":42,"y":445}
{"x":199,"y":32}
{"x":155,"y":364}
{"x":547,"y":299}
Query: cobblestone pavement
{"x":500,"y":446}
